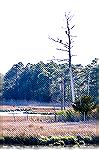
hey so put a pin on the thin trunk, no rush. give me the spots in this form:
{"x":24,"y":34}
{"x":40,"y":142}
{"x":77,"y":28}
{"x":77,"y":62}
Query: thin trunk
{"x":72,"y":85}
{"x":97,"y":83}
{"x":55,"y":117}
{"x":27,"y":117}
{"x":61,"y":106}
{"x":88,"y":82}
{"x":84,"y":117}
{"x":70,"y":66}
{"x":55,"y":114}
{"x":13,"y":117}
{"x":63,"y":102}
{"x":62,"y":94}
{"x":97,"y":88}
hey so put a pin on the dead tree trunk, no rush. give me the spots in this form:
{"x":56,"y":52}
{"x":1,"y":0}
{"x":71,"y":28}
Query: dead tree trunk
{"x":68,"y":46}
{"x":69,"y":50}
{"x":62,"y":89}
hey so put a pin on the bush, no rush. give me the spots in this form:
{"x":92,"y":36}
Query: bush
{"x":59,"y":143}
{"x":1,"y":140}
{"x":68,"y":115}
{"x":34,"y":140}
{"x":79,"y":138}
{"x":95,"y":140}
{"x":19,"y":140}
{"x":53,"y":140}
{"x":88,"y":140}
{"x":46,"y":141}
{"x":8,"y":140}
{"x":84,"y":105}
{"x":69,"y":140}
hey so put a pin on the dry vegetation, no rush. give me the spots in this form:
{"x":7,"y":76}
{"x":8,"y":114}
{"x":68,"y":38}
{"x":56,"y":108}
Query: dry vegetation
{"x":32,"y":108}
{"x":43,"y":126}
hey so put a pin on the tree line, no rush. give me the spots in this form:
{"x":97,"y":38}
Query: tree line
{"x":49,"y":82}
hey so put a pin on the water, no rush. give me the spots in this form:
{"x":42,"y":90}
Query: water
{"x":45,"y":148}
{"x":32,"y":148}
{"x":19,"y":113}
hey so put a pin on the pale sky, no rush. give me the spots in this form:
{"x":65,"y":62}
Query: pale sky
{"x":26,"y":24}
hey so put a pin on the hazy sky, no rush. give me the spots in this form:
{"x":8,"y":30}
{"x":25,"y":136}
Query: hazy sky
{"x":26,"y":24}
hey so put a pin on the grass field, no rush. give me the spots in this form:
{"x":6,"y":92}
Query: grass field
{"x":43,"y":125}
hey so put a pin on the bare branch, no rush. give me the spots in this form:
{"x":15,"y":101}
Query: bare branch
{"x":71,"y":47}
{"x":72,"y":27}
{"x":68,"y":16}
{"x":72,"y":41}
{"x":73,"y":36}
{"x":61,"y":49}
{"x":59,"y":60}
{"x":73,"y":55}
{"x":66,"y":32}
{"x":58,"y":41}
{"x":68,"y":46}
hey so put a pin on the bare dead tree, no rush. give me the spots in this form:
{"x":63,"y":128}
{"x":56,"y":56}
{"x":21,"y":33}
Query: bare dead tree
{"x":68,"y":45}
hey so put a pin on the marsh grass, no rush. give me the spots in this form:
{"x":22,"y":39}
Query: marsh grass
{"x":72,"y":116}
{"x":68,"y":115}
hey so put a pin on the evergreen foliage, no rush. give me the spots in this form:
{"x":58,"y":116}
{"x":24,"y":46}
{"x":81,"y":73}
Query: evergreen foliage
{"x":84,"y":105}
{"x":41,"y":82}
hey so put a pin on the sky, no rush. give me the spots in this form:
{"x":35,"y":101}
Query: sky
{"x":25,"y":26}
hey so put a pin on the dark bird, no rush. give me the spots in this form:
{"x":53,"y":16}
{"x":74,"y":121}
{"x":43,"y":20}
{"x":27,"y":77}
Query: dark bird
{"x":60,"y":41}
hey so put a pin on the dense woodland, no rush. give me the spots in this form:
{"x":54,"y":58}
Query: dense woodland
{"x":44,"y":82}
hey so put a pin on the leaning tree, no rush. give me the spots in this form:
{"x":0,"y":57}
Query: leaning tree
{"x":68,"y":45}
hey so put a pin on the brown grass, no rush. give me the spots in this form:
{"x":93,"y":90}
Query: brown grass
{"x":24,"y":127}
{"x":32,"y":108}
{"x":42,"y":126}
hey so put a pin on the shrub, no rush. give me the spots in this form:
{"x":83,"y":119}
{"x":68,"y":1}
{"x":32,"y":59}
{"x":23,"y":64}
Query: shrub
{"x":95,"y":140}
{"x":84,"y":105}
{"x":88,"y":140}
{"x":69,"y":140}
{"x":44,"y":141}
{"x":32,"y":140}
{"x":68,"y":115}
{"x":1,"y":140}
{"x":19,"y":140}
{"x":54,"y":141}
{"x":8,"y":140}
{"x":59,"y":143}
